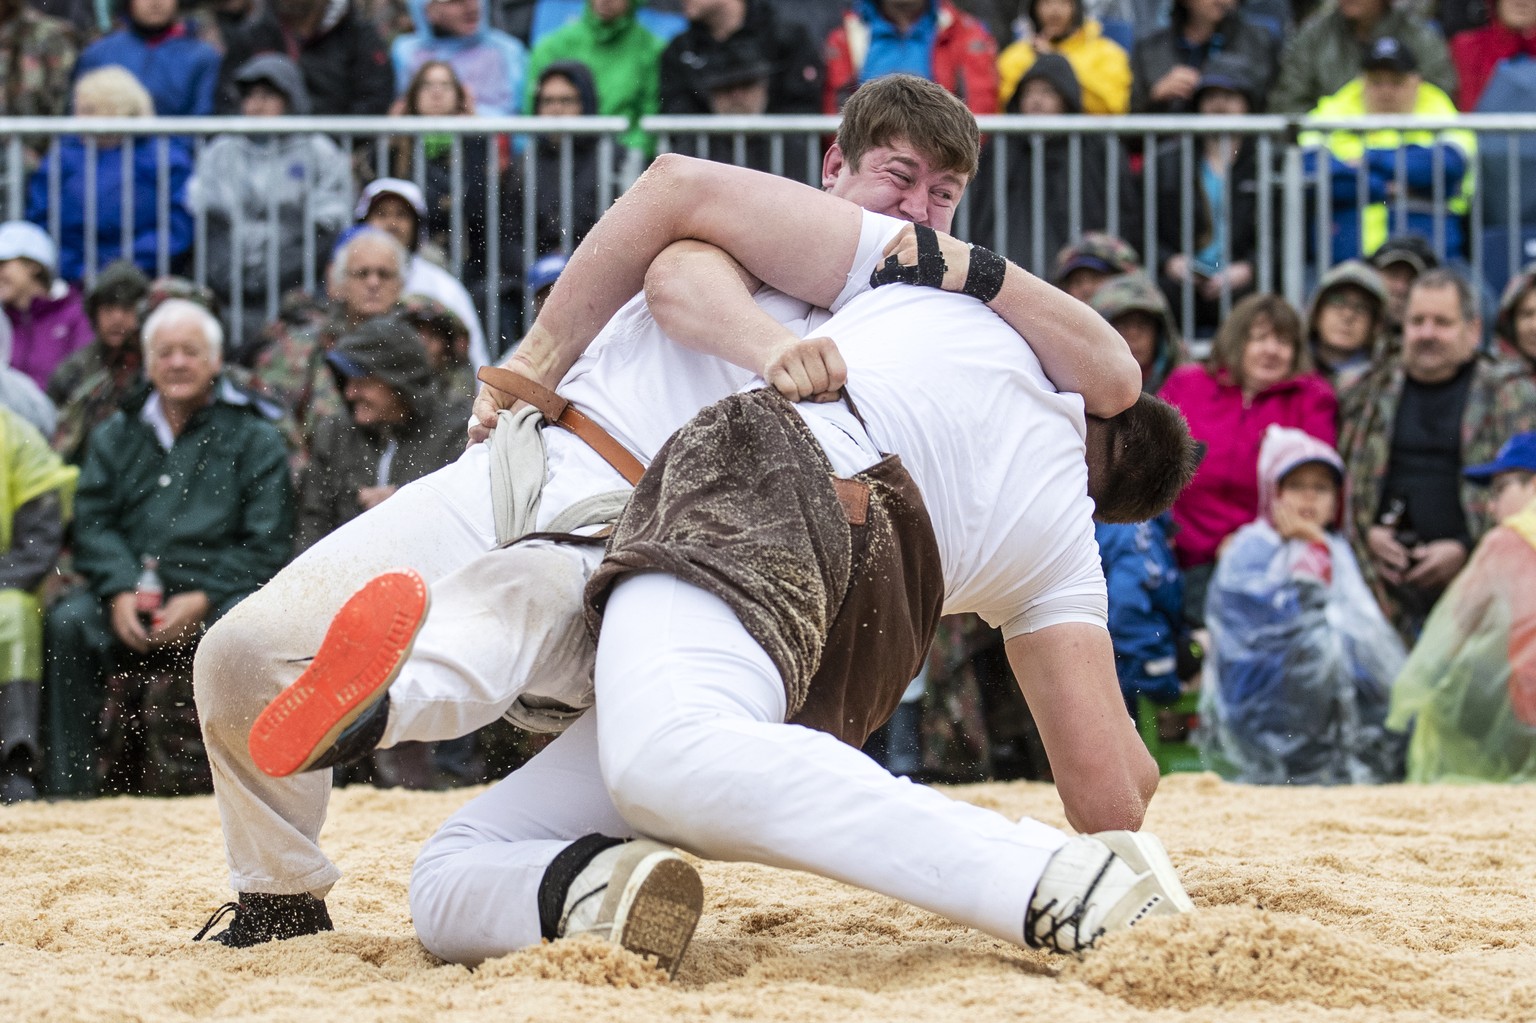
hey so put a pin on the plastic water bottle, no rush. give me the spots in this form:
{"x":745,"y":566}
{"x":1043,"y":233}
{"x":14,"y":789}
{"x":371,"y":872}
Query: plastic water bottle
{"x":149,"y":594}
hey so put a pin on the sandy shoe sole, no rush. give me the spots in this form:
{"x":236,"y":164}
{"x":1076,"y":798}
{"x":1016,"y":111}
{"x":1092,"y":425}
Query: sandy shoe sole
{"x":1144,"y":854}
{"x":363,"y":651}
{"x":654,"y":899}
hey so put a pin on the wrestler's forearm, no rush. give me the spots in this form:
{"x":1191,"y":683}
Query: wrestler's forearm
{"x":1077,"y":348}
{"x":1103,"y":772}
{"x":797,"y":239}
{"x":701,"y":299}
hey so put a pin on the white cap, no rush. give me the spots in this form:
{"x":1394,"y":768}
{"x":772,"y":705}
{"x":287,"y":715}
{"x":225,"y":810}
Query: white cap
{"x":22,"y":239}
{"x":406,"y":190}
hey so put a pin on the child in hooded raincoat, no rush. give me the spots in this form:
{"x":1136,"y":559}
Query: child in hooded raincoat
{"x":1297,"y":675}
{"x":1468,"y":691}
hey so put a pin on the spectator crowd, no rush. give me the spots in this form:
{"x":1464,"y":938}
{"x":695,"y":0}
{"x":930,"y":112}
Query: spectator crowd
{"x":1335,"y":598}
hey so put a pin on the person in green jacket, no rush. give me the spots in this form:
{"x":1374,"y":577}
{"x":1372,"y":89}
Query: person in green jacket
{"x":1328,"y":50}
{"x":190,"y":473}
{"x":625,"y":59}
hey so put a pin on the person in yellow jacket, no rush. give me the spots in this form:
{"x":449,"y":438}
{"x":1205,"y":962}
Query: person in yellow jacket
{"x":1383,"y":182}
{"x":1101,"y":66}
{"x":35,"y":491}
{"x":1468,"y":691}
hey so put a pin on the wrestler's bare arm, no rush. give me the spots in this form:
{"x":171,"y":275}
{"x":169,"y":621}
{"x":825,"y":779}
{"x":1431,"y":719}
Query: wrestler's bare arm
{"x":1104,"y":774}
{"x":701,"y":298}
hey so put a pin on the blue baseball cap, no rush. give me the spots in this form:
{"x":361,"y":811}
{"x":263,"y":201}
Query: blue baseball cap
{"x":545,"y":271}
{"x":1517,"y":455}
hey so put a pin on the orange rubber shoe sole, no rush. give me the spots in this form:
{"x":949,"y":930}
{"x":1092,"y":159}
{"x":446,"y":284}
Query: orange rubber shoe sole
{"x":363,"y":650}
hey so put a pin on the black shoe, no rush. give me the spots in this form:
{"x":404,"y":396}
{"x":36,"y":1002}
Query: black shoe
{"x":260,"y":918}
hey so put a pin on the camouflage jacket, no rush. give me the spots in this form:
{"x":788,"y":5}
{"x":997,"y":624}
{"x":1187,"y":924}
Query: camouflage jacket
{"x":95,"y":388}
{"x":37,"y":59}
{"x":292,"y":369}
{"x":1500,"y":403}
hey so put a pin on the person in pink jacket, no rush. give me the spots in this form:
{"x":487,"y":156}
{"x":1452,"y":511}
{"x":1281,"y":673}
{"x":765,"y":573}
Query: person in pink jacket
{"x":48,"y":320}
{"x":1259,"y":373}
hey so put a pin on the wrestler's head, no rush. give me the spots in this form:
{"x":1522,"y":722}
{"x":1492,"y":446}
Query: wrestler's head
{"x":1139,"y":461}
{"x":906,"y":148}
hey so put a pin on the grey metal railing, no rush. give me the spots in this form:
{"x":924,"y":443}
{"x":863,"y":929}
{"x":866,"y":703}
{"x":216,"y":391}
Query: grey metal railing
{"x":1057,"y":157}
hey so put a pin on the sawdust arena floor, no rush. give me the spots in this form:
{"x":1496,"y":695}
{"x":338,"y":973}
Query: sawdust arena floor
{"x":1397,"y":903}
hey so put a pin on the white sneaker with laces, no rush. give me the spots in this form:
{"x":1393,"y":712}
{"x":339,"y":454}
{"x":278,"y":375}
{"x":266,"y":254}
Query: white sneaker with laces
{"x":1096,"y":884}
{"x":641,"y":895}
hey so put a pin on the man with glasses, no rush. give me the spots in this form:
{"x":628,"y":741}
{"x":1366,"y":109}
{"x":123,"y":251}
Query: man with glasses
{"x":365,"y":280}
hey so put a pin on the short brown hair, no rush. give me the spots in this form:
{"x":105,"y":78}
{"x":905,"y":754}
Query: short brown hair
{"x":1233,"y":334}
{"x":1150,"y":458}
{"x":1441,"y":277}
{"x":923,"y":114}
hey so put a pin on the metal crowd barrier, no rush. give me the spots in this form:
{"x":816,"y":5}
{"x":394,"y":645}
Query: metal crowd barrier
{"x":1293,"y":227}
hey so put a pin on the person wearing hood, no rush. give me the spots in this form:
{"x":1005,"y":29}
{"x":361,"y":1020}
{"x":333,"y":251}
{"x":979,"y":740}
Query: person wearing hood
{"x":37,"y":59}
{"x":933,"y":39}
{"x":1347,"y":322}
{"x":35,"y":493}
{"x":80,"y":176}
{"x":262,"y":196}
{"x":397,"y":428}
{"x":489,"y":62}
{"x":624,"y":59}
{"x":1259,"y":374}
{"x":1301,"y":660}
{"x":1136,"y":308}
{"x":398,"y":208}
{"x":341,"y":57}
{"x":1096,"y":61}
{"x":1217,"y":194}
{"x":164,"y":53}
{"x":113,"y":308}
{"x":1049,"y":88}
{"x":1082,"y":267}
{"x":1167,"y":66}
{"x":563,"y":89}
{"x":1515,"y":328}
{"x":189,"y":472}
{"x":47,"y":318}
{"x":1467,"y":695}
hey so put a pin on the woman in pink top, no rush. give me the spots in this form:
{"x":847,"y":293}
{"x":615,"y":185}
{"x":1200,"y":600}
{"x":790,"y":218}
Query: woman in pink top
{"x":1259,"y":373}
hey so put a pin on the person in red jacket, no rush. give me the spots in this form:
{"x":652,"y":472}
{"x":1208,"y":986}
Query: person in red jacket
{"x":929,"y":38}
{"x":1259,"y":373}
{"x":1477,"y":51}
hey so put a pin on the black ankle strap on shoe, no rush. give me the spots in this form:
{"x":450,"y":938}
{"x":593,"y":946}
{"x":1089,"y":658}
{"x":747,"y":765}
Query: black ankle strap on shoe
{"x":259,"y":917}
{"x":562,"y":870}
{"x":218,"y":914}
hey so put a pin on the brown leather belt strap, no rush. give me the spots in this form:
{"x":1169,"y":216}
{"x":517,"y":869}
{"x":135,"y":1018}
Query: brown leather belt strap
{"x":562,"y":413}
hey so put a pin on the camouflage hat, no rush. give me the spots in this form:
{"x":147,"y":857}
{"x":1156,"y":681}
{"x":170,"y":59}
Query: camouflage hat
{"x":1096,"y":250}
{"x":170,"y":286}
{"x":1130,"y":293}
{"x":421,"y":311}
{"x":120,"y":283}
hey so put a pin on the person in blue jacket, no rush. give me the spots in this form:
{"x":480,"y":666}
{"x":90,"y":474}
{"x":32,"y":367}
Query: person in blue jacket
{"x":489,"y":62}
{"x":164,"y":53}
{"x":113,"y":92}
{"x":1146,"y":606}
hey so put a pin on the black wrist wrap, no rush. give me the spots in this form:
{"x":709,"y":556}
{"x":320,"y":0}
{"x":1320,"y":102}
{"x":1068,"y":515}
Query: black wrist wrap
{"x":929,"y":271}
{"x":984,"y":279}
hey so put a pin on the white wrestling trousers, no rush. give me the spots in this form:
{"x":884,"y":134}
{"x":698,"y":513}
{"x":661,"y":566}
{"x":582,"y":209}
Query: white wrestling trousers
{"x":687,"y":744}
{"x":494,"y":615}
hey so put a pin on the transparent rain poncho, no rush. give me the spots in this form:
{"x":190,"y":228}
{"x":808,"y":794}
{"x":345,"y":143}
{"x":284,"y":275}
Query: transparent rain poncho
{"x":1297,"y":677}
{"x":1468,"y":691}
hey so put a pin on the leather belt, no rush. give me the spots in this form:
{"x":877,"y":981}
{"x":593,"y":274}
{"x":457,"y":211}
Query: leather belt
{"x":563,"y":414}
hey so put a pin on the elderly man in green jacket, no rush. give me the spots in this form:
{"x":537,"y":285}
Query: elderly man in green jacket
{"x":190,"y":473}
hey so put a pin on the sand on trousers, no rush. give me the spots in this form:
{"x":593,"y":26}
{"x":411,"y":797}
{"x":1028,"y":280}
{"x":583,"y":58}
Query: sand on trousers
{"x":1396,"y":903}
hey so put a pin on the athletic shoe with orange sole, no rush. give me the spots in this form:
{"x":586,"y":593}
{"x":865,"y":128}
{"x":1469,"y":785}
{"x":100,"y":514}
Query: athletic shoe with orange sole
{"x":338,"y":707}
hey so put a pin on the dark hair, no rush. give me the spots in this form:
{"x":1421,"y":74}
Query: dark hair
{"x":1445,"y":277}
{"x":414,"y":86}
{"x":1148,"y":459}
{"x":1236,"y":330}
{"x":923,"y":114}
